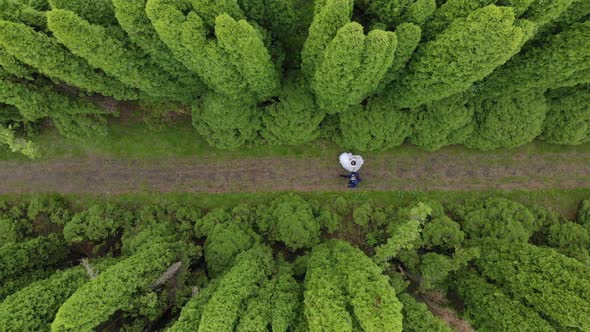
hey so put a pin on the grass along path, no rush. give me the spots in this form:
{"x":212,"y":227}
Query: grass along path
{"x":382,"y":172}
{"x":135,"y":158}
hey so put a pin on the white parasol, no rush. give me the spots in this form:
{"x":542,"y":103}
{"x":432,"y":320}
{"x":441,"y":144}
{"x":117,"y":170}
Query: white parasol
{"x":351,"y":162}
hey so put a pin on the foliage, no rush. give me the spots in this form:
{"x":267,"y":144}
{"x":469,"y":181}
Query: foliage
{"x":94,"y":43}
{"x":507,"y":121}
{"x":519,"y":269}
{"x":570,"y":239}
{"x":290,"y":219}
{"x":418,"y":318}
{"x":38,"y":253}
{"x":489,"y":309}
{"x":99,"y":12}
{"x":490,"y":30}
{"x":49,"y":57}
{"x":97,"y":223}
{"x":226,"y":123}
{"x":294,"y":118}
{"x":568,"y":116}
{"x":499,"y":218}
{"x":375,"y":127}
{"x":342,"y":64}
{"x":444,"y":122}
{"x":133,"y":19}
{"x":18,"y":144}
{"x":125,"y":287}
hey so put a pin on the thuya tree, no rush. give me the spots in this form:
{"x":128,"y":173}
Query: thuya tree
{"x":377,"y":126}
{"x":487,"y":308}
{"x":506,"y":121}
{"x":226,"y":123}
{"x":488,"y":37}
{"x":562,"y":60}
{"x":343,"y":65}
{"x":443,"y":122}
{"x":132,"y":17}
{"x":568,"y":116}
{"x":108,"y":49}
{"x":294,"y":117}
{"x":520,"y":270}
{"x":341,"y":282}
{"x":51,"y":58}
{"x":128,"y":287}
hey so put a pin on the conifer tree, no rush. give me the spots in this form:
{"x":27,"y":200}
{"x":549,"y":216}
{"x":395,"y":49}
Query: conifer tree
{"x":124,"y":287}
{"x":236,"y":63}
{"x":488,"y":38}
{"x":520,"y":270}
{"x":507,"y":121}
{"x":109,"y":50}
{"x":74,"y":118}
{"x":133,"y":19}
{"x":13,"y":66}
{"x":49,"y":57}
{"x":408,"y":37}
{"x":375,"y":127}
{"x":488,"y":308}
{"x":568,"y":116}
{"x":234,"y":289}
{"x":294,"y":118}
{"x":443,"y":122}
{"x":343,"y":65}
{"x":562,"y":60}
{"x":341,"y":281}
{"x":101,"y":12}
{"x":38,"y":253}
{"x":226,"y":123}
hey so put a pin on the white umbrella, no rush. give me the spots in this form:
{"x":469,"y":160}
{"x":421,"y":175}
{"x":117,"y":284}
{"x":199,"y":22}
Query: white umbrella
{"x":351,"y":162}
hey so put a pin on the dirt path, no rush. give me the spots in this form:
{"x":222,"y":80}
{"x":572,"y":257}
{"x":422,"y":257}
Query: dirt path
{"x":427,"y":171}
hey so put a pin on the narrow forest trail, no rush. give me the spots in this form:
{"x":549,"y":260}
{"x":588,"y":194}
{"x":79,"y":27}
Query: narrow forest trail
{"x":426,"y":171}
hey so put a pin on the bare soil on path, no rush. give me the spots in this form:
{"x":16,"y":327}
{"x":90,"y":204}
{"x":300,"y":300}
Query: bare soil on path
{"x":423,"y":171}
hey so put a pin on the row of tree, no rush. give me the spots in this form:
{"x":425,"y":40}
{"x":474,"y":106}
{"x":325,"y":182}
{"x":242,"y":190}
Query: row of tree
{"x":367,"y":74}
{"x":293,"y":265}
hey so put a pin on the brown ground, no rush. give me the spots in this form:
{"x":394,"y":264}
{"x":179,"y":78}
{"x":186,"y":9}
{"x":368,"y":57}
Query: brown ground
{"x":427,"y":171}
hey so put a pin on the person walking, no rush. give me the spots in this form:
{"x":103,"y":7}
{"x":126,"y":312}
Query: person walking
{"x":352,"y":164}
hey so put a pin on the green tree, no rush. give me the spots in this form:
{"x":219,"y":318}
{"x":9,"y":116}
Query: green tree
{"x":442,"y":232}
{"x":520,"y":270}
{"x":418,"y":318}
{"x":570,"y":239}
{"x":489,"y":309}
{"x":13,"y":66}
{"x":375,"y":127}
{"x":394,"y":12}
{"x":341,"y":281}
{"x":98,"y":223}
{"x":226,"y":123}
{"x":74,"y":117}
{"x":294,"y":118}
{"x":126,"y":287}
{"x":18,"y":144}
{"x":496,"y":217}
{"x":108,"y":49}
{"x":235,"y":288}
{"x":50,"y":58}
{"x":133,"y":19}
{"x":38,"y":253}
{"x":507,"y":121}
{"x":342,"y":64}
{"x":33,"y":308}
{"x":408,"y":37}
{"x":568,"y":116}
{"x":488,"y":37}
{"x":562,"y":60}
{"x":443,"y":122}
{"x":226,"y":238}
{"x":289,"y":219}
{"x":101,"y":12}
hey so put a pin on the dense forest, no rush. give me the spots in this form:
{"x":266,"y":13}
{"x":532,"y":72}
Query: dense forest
{"x":366,"y":74}
{"x":291,"y":264}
